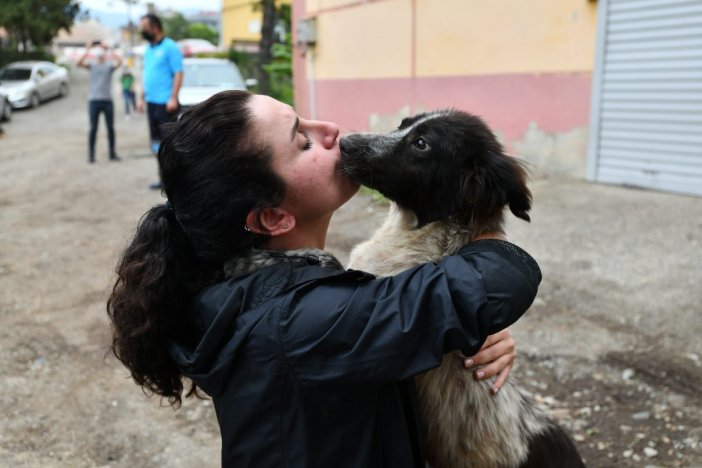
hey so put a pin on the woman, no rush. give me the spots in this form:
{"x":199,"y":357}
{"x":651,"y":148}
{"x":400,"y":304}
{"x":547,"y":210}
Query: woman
{"x":227,"y":284}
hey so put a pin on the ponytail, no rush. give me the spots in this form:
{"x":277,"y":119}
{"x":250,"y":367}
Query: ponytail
{"x":214,"y":173}
{"x":156,"y":277}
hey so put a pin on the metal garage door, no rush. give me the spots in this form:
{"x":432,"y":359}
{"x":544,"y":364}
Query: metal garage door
{"x":646,"y":122}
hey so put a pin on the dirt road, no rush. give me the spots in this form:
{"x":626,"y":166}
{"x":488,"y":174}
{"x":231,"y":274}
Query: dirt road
{"x":612,"y":345}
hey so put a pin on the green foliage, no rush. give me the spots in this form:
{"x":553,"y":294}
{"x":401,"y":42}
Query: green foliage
{"x":202,"y":31}
{"x":9,"y":56}
{"x":246,"y":61}
{"x":275,"y":70}
{"x":175,"y":27}
{"x":219,"y":55}
{"x":285,"y":15}
{"x":280,"y":72}
{"x":32,"y":24}
{"x":376,"y":196}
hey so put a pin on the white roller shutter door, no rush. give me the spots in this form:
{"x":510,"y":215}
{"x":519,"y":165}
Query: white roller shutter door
{"x":646,"y":116}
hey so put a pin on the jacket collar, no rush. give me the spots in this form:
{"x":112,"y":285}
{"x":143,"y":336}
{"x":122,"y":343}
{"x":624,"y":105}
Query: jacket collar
{"x":253,"y":279}
{"x":256,"y":259}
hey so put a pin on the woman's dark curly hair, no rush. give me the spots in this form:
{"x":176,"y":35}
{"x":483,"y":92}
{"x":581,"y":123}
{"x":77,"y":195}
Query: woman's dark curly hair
{"x":214,"y":173}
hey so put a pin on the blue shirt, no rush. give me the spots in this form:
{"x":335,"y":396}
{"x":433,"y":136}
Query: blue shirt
{"x":161,"y":62}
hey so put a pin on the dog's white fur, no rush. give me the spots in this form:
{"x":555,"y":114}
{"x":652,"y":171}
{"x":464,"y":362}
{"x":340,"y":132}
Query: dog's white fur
{"x":465,"y":426}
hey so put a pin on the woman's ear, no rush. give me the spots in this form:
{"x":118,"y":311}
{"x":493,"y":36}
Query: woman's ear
{"x":270,"y":221}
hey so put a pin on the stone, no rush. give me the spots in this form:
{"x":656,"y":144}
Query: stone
{"x":641,"y":415}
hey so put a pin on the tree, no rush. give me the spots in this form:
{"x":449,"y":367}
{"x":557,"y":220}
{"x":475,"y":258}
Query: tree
{"x":202,"y":31}
{"x":175,"y":27}
{"x":266,"y":45}
{"x":275,"y":52}
{"x":32,"y":24}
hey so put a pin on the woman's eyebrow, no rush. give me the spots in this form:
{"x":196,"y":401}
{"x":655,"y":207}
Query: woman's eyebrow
{"x":293,"y":132}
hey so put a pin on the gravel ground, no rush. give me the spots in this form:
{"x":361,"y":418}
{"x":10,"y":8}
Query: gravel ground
{"x":611,"y":345}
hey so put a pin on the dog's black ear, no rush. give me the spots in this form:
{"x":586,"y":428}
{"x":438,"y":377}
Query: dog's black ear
{"x":518,"y":194}
{"x":498,"y":180}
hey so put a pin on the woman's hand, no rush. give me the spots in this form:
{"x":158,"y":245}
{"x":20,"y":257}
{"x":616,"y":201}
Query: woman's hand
{"x":495,"y":358}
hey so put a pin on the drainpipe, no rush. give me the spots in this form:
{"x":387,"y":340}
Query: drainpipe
{"x":413,"y":77}
{"x":313,"y":86}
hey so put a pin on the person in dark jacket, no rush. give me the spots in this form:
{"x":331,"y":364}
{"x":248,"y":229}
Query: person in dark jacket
{"x":308,"y":364}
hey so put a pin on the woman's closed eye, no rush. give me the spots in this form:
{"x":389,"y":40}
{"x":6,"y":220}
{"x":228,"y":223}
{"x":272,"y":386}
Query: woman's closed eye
{"x":308,"y":143}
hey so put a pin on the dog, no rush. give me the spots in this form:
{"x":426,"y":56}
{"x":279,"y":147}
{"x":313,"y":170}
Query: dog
{"x":450,"y":181}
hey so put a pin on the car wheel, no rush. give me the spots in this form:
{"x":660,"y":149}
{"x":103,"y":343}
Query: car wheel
{"x":63,"y":90}
{"x":6,"y":112}
{"x":36,"y":100}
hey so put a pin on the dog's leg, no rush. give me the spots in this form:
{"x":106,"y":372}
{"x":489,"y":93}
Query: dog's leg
{"x":552,"y":448}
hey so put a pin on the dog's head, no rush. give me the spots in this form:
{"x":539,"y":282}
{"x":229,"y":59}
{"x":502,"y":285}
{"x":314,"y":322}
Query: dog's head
{"x":440,"y":164}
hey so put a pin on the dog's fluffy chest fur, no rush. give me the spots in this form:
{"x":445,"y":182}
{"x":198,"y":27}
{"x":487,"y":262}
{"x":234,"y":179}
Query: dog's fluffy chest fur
{"x":396,"y":246}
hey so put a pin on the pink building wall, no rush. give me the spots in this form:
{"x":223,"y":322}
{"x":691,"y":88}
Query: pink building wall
{"x":541,"y":115}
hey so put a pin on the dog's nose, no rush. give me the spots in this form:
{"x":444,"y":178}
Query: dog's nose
{"x":343,"y":144}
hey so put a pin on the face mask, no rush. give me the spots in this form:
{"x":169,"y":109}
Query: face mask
{"x":147,"y":35}
{"x":98,"y":53}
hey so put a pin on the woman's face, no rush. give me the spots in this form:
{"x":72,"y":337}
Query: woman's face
{"x":306,"y":155}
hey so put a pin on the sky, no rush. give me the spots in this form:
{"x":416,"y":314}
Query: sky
{"x":114,"y":12}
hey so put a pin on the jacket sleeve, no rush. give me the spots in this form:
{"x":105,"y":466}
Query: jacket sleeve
{"x":389,"y":329}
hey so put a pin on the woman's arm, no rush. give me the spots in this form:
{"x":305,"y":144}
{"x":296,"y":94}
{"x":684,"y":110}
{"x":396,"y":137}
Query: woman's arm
{"x":394,"y":328}
{"x":497,"y":354}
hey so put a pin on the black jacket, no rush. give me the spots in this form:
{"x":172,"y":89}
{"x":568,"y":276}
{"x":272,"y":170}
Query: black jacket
{"x":312,"y":366}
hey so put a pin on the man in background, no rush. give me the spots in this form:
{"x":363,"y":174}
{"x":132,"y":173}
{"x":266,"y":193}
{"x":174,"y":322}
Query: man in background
{"x":161,"y":80}
{"x":100,"y":68}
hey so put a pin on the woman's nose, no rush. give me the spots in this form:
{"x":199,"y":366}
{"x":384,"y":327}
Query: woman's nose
{"x":329,"y":132}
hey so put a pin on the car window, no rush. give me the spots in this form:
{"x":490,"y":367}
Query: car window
{"x":41,"y":72}
{"x":15,"y":74}
{"x":213,"y":75}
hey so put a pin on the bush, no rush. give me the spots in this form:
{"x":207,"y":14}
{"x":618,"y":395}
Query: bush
{"x":247,"y":62}
{"x":280,"y":73}
{"x":9,"y":56}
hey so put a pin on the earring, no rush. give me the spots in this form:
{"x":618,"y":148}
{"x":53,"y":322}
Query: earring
{"x":247,"y":228}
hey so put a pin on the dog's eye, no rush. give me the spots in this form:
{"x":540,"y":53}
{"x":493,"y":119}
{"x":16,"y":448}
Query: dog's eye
{"x":420,"y":143}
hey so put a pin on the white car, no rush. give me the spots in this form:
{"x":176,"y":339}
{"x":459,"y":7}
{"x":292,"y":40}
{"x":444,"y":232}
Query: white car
{"x":28,"y":84}
{"x":205,"y":77}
